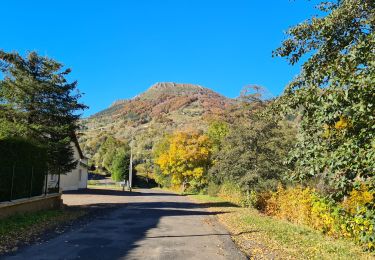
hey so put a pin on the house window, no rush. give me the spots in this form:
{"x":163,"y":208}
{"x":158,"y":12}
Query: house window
{"x":52,"y":177}
{"x":80,"y":174}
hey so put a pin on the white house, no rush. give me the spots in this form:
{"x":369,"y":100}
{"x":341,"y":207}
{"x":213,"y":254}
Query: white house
{"x":77,"y":178}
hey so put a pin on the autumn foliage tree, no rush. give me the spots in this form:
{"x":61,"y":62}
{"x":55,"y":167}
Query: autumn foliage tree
{"x":186,"y":158}
{"x":334,"y":95}
{"x":217,"y":131}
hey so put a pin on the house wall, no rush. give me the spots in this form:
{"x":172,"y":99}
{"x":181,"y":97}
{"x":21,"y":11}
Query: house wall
{"x":77,"y":178}
{"x":84,"y":174}
{"x":69,"y":181}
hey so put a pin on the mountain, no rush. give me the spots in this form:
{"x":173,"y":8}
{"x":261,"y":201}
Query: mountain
{"x":164,"y":98}
{"x":163,"y":108}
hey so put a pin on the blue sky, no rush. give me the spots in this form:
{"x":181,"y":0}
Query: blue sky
{"x":118,"y":49}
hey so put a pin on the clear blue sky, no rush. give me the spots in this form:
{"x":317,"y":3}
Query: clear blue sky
{"x":118,"y":48}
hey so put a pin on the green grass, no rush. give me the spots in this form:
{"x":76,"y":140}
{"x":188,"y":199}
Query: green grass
{"x":20,"y":222}
{"x":206,"y":198}
{"x":105,"y":186}
{"x":24,"y":228}
{"x":92,"y":182}
{"x":264,"y":237}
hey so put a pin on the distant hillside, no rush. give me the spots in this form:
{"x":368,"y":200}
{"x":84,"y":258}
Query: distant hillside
{"x":168,"y":97}
{"x":164,"y":107}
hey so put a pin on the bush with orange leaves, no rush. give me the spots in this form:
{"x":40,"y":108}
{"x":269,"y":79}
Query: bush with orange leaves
{"x":353,"y":218}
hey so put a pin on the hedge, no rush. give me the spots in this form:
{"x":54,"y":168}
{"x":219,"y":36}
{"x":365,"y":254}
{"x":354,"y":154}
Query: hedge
{"x":23,"y":163}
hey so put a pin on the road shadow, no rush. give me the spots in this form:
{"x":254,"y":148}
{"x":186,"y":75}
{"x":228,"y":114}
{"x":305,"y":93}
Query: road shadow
{"x":108,"y":192}
{"x":132,"y":224}
{"x":118,"y":229}
{"x":148,"y":193}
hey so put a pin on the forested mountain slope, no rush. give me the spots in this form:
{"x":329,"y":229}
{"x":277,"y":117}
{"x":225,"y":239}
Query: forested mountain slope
{"x":163,"y":108}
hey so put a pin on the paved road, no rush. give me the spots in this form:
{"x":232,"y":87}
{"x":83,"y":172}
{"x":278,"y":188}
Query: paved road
{"x":145,"y":224}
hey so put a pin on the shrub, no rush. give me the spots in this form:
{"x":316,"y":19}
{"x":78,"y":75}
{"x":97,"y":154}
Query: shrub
{"x":120,"y":166}
{"x":358,"y":198}
{"x":24,"y":163}
{"x":353,"y":218}
{"x":162,"y":179}
{"x":362,"y":226}
{"x":291,"y":204}
{"x":232,"y":193}
{"x":326,"y":216}
{"x":213,"y":189}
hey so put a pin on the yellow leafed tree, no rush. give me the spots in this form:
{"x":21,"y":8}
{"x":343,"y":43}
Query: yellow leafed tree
{"x":186,"y":159}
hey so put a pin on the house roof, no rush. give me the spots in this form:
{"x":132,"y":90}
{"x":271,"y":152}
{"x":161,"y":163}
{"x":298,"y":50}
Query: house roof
{"x":83,"y":164}
{"x":75,"y":141}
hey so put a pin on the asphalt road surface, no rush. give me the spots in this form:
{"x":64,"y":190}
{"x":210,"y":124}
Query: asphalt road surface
{"x":145,"y":224}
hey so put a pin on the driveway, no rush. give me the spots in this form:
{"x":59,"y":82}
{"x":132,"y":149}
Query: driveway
{"x":145,"y":224}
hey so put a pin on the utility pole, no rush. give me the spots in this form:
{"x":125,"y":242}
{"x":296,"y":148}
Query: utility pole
{"x":131,"y":166}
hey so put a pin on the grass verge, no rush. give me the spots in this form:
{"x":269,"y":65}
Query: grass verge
{"x":263,"y":237}
{"x":23,"y":229}
{"x":106,"y":186}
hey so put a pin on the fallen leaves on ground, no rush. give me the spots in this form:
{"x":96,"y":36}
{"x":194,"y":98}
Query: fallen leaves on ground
{"x":24,"y":229}
{"x":263,"y":237}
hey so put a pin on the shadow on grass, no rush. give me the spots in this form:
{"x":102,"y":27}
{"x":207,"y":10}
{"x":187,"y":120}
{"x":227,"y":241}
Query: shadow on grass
{"x":205,"y":235}
{"x":223,"y":204}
